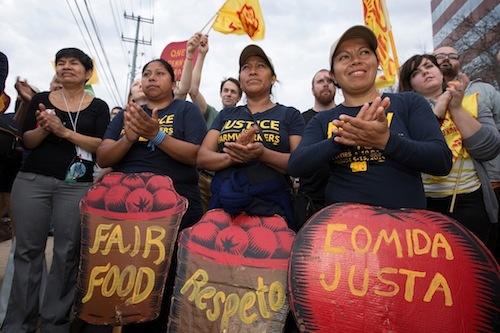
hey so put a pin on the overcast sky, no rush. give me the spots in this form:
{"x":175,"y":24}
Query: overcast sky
{"x":298,"y":38}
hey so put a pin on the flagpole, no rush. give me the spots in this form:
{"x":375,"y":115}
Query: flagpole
{"x":213,"y":17}
{"x":455,"y":190}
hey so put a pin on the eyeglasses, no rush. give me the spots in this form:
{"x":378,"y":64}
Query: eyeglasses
{"x":441,"y":56}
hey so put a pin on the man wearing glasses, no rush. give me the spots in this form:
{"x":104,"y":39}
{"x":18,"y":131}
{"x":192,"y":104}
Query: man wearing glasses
{"x":489,"y":98}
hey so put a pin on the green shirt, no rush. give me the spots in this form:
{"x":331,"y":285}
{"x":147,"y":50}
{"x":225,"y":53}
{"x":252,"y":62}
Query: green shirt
{"x":210,"y":114}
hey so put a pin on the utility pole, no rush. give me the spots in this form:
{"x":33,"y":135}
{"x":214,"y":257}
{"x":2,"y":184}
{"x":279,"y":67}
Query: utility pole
{"x":136,"y":41}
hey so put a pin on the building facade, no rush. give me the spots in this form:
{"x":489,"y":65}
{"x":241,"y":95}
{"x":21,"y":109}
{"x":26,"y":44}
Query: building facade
{"x":473,"y":28}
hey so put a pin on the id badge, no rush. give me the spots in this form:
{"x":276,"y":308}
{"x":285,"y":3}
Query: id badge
{"x":83,"y":154}
{"x":76,"y":170}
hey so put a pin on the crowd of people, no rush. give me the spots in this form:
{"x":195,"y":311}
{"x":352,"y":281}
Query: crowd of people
{"x":435,"y":144}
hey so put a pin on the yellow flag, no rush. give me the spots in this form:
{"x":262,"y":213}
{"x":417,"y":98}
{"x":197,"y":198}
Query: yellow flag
{"x":94,"y":79}
{"x":377,"y":18}
{"x":240,"y":17}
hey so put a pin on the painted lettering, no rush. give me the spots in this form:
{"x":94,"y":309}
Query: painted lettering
{"x":417,"y":241}
{"x":112,"y":237}
{"x":133,"y":281}
{"x":248,"y":308}
{"x":359,"y":286}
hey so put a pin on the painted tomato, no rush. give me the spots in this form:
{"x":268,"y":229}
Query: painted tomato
{"x":247,"y":222}
{"x":133,"y":181}
{"x":115,"y":198}
{"x":139,"y":200}
{"x":262,"y":243}
{"x":204,"y":233}
{"x":232,"y":239}
{"x":285,"y":241}
{"x":219,"y":217}
{"x":164,"y":199}
{"x":111,"y":179}
{"x":275,"y":223}
{"x":157,"y":182}
{"x":359,"y":268}
{"x":95,"y":197}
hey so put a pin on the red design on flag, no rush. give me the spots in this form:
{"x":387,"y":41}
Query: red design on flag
{"x":240,"y":17}
{"x":377,"y":18}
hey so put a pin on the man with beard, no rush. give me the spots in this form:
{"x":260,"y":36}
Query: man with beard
{"x":310,"y":195}
{"x":488,"y":99}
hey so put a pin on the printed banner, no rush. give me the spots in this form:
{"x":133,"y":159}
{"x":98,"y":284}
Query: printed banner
{"x":175,"y":54}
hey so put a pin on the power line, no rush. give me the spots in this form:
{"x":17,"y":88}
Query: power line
{"x":95,"y":41}
{"x":106,"y":82}
{"x":136,"y":41}
{"x":118,"y":28}
{"x":97,"y":33}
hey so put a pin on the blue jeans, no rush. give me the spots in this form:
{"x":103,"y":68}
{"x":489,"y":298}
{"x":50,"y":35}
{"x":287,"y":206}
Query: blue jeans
{"x":36,"y":201}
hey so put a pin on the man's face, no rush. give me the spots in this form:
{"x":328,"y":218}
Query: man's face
{"x":230,"y":94}
{"x":447,"y":58}
{"x":323,"y":88}
{"x":114,"y":112}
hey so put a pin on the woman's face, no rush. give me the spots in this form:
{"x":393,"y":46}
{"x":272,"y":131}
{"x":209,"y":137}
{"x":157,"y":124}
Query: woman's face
{"x":157,"y":83}
{"x":256,"y":77}
{"x":426,"y":79}
{"x":355,"y":66}
{"x":136,"y":92}
{"x":70,"y":70}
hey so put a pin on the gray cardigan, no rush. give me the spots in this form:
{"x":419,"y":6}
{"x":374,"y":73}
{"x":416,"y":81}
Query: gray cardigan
{"x":484,"y":145}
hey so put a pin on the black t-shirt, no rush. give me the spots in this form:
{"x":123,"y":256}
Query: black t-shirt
{"x":181,"y":120}
{"x":53,"y":155}
{"x":314,"y":185}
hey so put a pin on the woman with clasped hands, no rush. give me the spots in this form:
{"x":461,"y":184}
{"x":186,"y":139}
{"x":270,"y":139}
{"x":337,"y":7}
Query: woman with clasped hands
{"x":376,"y":144}
{"x":62,"y":129}
{"x":162,"y":137}
{"x":248,"y":146}
{"x":465,"y":193}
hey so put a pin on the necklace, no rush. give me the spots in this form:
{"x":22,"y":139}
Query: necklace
{"x":73,"y":121}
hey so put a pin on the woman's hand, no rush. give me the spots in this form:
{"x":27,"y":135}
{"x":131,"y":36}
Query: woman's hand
{"x":50,"y":122}
{"x":368,"y":129}
{"x":193,"y":43}
{"x":24,"y":90}
{"x":442,"y":104}
{"x":140,"y":123}
{"x":240,"y":153}
{"x":456,"y":89}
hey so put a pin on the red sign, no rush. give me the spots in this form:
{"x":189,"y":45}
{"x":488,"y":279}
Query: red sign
{"x":175,"y":54}
{"x":359,"y":268}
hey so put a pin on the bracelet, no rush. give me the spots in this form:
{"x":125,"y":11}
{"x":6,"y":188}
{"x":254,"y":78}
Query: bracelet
{"x":158,"y":139}
{"x":190,"y":59}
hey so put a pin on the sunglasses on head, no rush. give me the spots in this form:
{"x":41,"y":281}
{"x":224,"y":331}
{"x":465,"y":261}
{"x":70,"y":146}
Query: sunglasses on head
{"x":440,"y":56}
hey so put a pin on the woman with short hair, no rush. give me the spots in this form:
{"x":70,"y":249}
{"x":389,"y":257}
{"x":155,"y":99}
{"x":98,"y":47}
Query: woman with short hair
{"x":62,"y":130}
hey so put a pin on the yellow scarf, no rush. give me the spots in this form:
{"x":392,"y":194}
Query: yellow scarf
{"x":450,"y":131}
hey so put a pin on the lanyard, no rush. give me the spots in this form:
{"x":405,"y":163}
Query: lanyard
{"x":75,"y":121}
